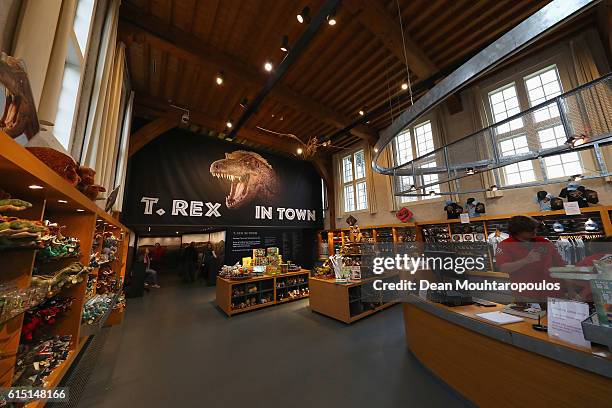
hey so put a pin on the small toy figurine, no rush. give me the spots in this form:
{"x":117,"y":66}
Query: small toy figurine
{"x":452,"y":210}
{"x":543,"y":199}
{"x":474,"y":207}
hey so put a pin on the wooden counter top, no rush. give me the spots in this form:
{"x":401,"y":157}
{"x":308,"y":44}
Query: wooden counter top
{"x":597,"y":359}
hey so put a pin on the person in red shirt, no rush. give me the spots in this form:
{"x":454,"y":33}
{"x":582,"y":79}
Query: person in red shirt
{"x":527,"y":257}
{"x":597,"y":249}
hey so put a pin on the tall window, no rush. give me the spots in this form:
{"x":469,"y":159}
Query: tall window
{"x":504,"y":103}
{"x":416,"y":142}
{"x":73,"y":67}
{"x":540,"y":130}
{"x":354,"y":182}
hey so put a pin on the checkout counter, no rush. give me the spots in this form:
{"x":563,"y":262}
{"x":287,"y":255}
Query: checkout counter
{"x":505,"y":366}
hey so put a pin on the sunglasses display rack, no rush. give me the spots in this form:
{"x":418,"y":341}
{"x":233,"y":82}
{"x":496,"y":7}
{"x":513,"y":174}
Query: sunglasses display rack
{"x":52,"y":198}
{"x":238,"y":296}
{"x":405,"y":234}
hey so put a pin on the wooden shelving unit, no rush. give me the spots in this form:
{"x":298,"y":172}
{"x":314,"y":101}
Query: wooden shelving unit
{"x":266,"y":285}
{"x":61,"y":203}
{"x":343,"y":301}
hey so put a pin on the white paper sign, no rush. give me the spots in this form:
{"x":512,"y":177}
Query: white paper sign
{"x":465,"y":218}
{"x":564,"y":321}
{"x":571,"y":208}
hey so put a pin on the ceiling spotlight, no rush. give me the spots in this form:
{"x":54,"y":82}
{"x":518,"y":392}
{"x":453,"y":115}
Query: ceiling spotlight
{"x":244,"y":103}
{"x":577,"y":177}
{"x":404,"y":86}
{"x":80,"y":210}
{"x":219,"y":78}
{"x":331,"y":19}
{"x":281,"y":118}
{"x":285,"y":44}
{"x":149,"y":229}
{"x":62,"y":201}
{"x":376,"y":150}
{"x":493,"y":188}
{"x":35,"y":187}
{"x":470,"y":171}
{"x":304,"y":15}
{"x":432,"y":193}
{"x":576,"y":140}
{"x":229,"y":124}
{"x":268,"y":66}
{"x":361,"y":112}
{"x":299,"y":150}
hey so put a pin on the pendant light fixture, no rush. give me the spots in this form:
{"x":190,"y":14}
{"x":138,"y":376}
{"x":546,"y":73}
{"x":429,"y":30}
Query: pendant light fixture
{"x":331,"y":18}
{"x":285,"y":43}
{"x":219,"y":78}
{"x":304,"y":15}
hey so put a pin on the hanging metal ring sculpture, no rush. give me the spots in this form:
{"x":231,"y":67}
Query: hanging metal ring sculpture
{"x":541,"y":22}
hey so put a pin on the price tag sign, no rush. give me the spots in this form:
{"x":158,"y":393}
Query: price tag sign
{"x":465,"y":218}
{"x":571,"y":208}
{"x":564,"y":321}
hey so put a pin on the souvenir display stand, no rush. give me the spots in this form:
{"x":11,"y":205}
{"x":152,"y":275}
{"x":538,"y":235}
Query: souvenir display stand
{"x":53,"y":199}
{"x":238,"y":296}
{"x":344,"y":301}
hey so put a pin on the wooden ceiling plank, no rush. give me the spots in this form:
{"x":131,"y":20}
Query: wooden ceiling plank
{"x":331,"y":81}
{"x":481,"y":12}
{"x":205,"y":15}
{"x":389,"y":77}
{"x":183,"y":14}
{"x":366,"y":73}
{"x":445,"y":18}
{"x":168,"y":38}
{"x":384,"y":26}
{"x":321,"y":55}
{"x":500,"y":24}
{"x":375,"y":91}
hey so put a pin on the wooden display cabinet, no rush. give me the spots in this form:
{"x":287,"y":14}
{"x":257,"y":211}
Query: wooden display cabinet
{"x":272,"y":288}
{"x":346,"y":302}
{"x":59,"y":202}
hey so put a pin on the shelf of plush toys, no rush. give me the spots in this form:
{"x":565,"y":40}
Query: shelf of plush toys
{"x":47,"y":226}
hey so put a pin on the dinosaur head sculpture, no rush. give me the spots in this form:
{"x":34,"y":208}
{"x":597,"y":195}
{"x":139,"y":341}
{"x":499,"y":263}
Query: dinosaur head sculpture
{"x":19,"y":115}
{"x":250,"y":175}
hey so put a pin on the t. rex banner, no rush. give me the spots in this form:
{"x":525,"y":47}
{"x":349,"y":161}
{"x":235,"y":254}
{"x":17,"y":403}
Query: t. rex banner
{"x":184,"y":179}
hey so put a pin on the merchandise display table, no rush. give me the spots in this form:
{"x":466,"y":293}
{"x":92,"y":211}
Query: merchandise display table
{"x":488,"y":363}
{"x":237,"y":296}
{"x":343,"y":301}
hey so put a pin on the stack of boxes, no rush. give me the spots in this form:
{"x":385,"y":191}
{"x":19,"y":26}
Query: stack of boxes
{"x":269,"y":258}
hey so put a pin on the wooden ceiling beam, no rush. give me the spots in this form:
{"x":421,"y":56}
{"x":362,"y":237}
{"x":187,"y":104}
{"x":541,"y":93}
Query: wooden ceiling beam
{"x":379,"y":22}
{"x":152,"y":131}
{"x":138,"y":27}
{"x":386,"y":28}
{"x":152,"y":104}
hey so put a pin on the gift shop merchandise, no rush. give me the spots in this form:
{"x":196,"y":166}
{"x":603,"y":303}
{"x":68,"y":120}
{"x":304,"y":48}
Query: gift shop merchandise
{"x":305,"y":203}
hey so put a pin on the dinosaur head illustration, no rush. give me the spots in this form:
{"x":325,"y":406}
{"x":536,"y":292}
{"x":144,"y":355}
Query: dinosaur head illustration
{"x":19,"y":115}
{"x":250,"y":175}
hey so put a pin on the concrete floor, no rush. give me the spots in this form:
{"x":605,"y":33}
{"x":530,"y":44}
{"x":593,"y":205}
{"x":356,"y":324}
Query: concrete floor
{"x":176,"y":349}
